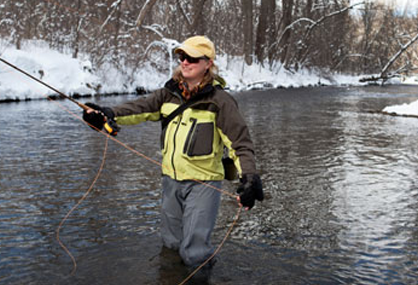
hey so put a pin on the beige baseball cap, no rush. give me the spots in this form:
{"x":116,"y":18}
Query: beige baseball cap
{"x":197,"y":46}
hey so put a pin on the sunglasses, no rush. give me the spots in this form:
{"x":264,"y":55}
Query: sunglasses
{"x":183,"y":56}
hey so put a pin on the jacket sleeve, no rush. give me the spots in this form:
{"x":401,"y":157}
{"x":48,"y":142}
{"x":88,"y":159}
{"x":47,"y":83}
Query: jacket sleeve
{"x":236,"y":136}
{"x":140,"y":110}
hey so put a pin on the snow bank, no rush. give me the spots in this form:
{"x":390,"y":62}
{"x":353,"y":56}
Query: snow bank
{"x":59,"y":70}
{"x":404,"y":109}
{"x":72,"y":76}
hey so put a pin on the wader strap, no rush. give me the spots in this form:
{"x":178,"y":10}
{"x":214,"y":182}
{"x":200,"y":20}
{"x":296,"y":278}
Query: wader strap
{"x":179,"y":110}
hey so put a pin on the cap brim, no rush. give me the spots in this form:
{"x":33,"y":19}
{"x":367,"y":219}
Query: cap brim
{"x":189,"y":51}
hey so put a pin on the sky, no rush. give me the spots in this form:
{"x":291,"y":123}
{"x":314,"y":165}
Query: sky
{"x":400,"y":4}
{"x":70,"y":76}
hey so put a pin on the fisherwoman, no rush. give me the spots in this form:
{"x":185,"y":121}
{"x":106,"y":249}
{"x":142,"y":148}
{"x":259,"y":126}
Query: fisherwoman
{"x":192,"y":143}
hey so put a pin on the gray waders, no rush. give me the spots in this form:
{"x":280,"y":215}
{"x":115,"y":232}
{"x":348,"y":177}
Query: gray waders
{"x":189,"y":211}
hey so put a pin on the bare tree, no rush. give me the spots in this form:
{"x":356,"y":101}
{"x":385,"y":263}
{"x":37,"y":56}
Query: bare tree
{"x":193,"y":15}
{"x":12,"y":13}
{"x":384,"y":74}
{"x":286,"y":21}
{"x":76,"y":29}
{"x":317,"y":23}
{"x":264,"y":28}
{"x":199,"y":25}
{"x":247,"y":8}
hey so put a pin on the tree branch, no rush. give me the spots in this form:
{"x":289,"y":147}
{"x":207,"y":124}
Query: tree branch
{"x":144,"y":11}
{"x":288,"y":28}
{"x":188,"y":21}
{"x":384,"y":74}
{"x":115,"y":6}
{"x":398,"y":54}
{"x":323,"y":18}
{"x":316,"y":24}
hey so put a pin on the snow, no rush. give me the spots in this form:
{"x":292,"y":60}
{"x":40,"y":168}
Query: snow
{"x":403,"y":109}
{"x":76,"y":76}
{"x":61,"y":71}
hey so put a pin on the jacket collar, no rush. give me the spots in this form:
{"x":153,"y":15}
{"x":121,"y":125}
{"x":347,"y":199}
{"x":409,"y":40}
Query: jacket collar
{"x":173,"y":87}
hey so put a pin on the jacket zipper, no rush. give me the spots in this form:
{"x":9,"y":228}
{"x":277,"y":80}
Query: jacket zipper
{"x":174,"y":147}
{"x":175,"y":135}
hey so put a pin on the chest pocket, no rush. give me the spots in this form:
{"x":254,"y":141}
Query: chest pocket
{"x":199,"y":140}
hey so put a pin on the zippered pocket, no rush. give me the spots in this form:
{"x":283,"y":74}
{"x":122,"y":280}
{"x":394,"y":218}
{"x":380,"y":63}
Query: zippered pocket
{"x":190,"y":135}
{"x":199,"y":140}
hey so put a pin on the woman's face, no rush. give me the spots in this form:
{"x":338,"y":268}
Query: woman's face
{"x":194,"y":71}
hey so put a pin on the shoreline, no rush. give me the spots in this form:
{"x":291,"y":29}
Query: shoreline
{"x":142,"y":91}
{"x":74,"y":96}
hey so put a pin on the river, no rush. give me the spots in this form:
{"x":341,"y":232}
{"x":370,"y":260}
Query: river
{"x":340,"y":182}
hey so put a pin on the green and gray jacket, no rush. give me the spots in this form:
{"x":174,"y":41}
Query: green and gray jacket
{"x":193,"y":142}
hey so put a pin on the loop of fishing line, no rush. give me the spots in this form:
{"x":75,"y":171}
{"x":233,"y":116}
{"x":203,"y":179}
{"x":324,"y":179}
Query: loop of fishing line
{"x":78,"y":204}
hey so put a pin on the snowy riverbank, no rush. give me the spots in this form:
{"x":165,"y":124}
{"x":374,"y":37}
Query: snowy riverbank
{"x":76,"y":76}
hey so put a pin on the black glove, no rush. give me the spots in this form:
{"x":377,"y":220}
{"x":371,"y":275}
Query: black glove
{"x":98,"y":119}
{"x":250,"y":190}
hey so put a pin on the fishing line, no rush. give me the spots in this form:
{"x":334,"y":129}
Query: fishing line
{"x":217,"y":249}
{"x":77,"y":204}
{"x":84,"y":107}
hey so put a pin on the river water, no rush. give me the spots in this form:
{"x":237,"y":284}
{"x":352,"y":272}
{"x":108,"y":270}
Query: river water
{"x":341,"y":190}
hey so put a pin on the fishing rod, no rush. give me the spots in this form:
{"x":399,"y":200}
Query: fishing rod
{"x":109,"y":126}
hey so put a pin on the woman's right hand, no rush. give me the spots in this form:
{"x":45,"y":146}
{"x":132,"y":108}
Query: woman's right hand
{"x":97,"y":117}
{"x":94,"y":116}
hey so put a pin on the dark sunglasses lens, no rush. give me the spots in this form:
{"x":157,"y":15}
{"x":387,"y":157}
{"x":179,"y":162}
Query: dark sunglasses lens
{"x":183,"y":56}
{"x":193,"y":59}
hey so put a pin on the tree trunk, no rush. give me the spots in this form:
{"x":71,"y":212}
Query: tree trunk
{"x":286,"y":21}
{"x":247,"y":10}
{"x":272,"y":31}
{"x":77,"y":27}
{"x":265,"y":20}
{"x":117,"y":27}
{"x":198,"y":25}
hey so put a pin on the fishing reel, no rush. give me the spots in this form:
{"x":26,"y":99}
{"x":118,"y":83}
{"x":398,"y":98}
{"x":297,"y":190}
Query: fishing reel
{"x":111,"y":127}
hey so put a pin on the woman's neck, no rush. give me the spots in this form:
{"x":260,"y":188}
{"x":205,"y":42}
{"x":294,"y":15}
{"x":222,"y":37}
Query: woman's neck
{"x":191,"y":84}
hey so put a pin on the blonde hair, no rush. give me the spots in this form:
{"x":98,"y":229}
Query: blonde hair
{"x":210,"y":75}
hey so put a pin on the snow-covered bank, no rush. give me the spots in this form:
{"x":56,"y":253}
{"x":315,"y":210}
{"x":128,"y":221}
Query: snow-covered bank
{"x":76,"y":76}
{"x":410,"y":109}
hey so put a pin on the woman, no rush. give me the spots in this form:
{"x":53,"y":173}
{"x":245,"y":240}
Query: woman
{"x":192,"y":143}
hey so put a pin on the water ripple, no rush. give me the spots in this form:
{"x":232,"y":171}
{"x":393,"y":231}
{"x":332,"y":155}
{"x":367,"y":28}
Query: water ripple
{"x":340,"y":185}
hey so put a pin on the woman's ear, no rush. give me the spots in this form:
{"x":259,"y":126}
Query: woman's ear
{"x":209,"y":64}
